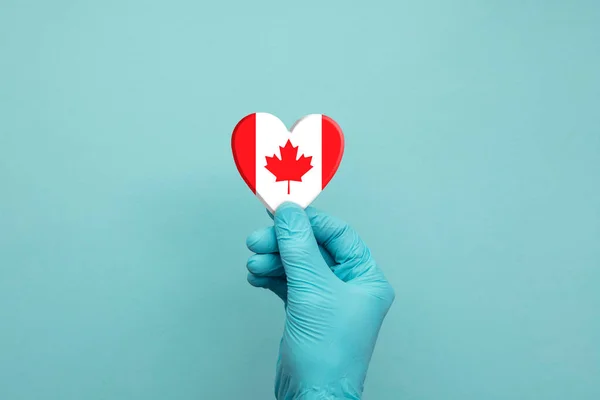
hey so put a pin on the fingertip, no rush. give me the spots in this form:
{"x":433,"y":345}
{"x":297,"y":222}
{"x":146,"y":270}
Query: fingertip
{"x":263,"y":241}
{"x":251,"y":278}
{"x":290,"y":214}
{"x":276,"y":285}
{"x":254,"y":238}
{"x":265,"y":265}
{"x":251,"y":263}
{"x":257,"y":281}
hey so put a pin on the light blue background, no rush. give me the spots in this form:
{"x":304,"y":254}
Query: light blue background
{"x":472,"y":169}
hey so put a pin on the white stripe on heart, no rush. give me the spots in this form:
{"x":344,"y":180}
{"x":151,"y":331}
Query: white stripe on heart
{"x":271,"y":133}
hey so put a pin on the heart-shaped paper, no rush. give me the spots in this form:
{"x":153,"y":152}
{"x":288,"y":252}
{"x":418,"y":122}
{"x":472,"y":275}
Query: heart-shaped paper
{"x":280,"y":165}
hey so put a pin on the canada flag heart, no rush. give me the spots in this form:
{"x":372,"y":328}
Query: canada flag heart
{"x":280,"y":165}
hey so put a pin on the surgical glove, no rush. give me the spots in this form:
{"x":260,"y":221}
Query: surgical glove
{"x":335,"y":297}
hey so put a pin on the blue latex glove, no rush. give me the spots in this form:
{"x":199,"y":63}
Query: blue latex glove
{"x":335,"y":297}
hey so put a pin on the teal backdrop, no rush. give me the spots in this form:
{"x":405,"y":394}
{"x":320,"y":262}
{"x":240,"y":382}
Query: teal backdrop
{"x":472,"y":169}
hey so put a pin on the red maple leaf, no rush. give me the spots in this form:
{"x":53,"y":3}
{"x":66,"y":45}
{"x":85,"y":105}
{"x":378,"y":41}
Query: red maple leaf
{"x":288,"y":168}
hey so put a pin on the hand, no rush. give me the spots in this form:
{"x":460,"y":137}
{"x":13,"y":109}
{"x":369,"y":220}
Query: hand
{"x":335,"y":298}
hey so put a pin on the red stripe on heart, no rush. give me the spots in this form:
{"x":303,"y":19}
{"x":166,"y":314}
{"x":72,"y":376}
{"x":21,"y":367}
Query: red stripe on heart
{"x":332,"y":150}
{"x":243,"y":145}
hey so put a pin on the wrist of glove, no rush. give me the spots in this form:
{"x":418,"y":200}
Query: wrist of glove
{"x":288,"y":388}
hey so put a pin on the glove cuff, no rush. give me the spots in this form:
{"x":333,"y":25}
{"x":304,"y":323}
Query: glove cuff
{"x":287,"y":389}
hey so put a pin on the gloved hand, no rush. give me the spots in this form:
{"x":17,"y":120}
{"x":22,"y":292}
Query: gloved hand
{"x":335,"y":297}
